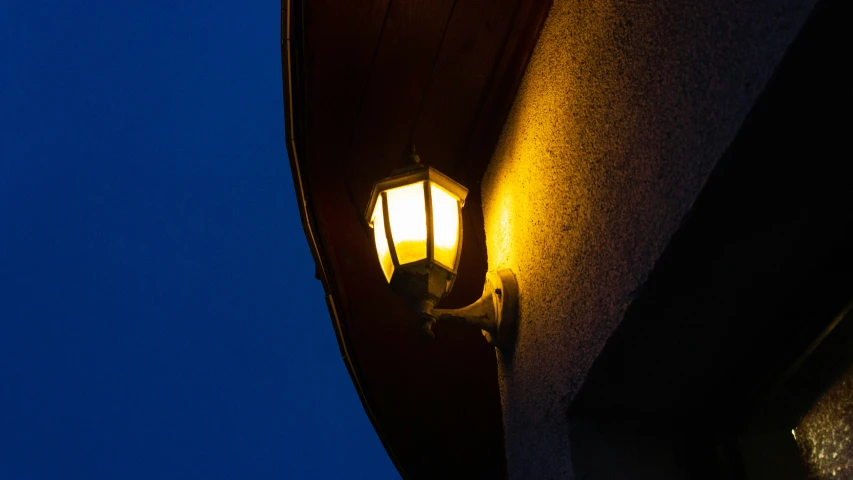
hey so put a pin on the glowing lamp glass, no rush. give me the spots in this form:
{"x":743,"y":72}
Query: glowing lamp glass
{"x":407,"y":217}
{"x":377,"y":221}
{"x":445,"y":226}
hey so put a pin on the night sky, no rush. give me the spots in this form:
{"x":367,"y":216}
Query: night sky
{"x":159,"y":316}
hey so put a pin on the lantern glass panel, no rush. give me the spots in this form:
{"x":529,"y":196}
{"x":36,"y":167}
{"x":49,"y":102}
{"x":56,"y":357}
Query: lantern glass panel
{"x":382,"y":250}
{"x":407,"y":215}
{"x":445,"y":221}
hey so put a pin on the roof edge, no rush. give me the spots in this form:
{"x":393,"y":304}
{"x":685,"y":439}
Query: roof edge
{"x":294,"y":105}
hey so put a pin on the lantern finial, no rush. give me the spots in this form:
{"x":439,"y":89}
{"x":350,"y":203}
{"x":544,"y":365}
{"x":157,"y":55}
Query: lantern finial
{"x":412,"y":156}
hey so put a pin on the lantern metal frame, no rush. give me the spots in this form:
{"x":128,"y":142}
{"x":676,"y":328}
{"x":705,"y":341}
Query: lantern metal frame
{"x":423,"y":283}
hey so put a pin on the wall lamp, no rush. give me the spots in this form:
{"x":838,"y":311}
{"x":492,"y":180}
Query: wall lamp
{"x":417,"y":226}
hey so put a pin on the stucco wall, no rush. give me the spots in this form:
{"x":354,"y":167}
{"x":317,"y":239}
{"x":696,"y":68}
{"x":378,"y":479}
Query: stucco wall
{"x":623,"y":112}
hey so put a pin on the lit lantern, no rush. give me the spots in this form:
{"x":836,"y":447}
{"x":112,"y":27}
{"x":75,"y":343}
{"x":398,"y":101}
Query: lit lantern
{"x":416,"y":217}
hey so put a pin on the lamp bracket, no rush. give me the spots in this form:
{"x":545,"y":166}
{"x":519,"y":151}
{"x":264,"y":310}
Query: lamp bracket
{"x":495,"y":313}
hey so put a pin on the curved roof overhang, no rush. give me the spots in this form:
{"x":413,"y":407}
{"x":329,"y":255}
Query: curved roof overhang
{"x":363,"y":80}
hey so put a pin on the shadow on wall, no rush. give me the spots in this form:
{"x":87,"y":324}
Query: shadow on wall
{"x":716,"y":361}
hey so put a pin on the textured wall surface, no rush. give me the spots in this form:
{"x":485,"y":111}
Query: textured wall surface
{"x":623,"y":112}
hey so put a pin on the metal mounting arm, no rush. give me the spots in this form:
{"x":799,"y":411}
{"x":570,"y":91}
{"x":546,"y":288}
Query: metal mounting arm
{"x":495,"y":313}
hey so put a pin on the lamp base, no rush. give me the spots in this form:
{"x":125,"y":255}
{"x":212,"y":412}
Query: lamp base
{"x":495,"y":313}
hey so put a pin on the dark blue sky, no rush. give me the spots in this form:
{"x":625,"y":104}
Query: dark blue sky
{"x":159,"y":316}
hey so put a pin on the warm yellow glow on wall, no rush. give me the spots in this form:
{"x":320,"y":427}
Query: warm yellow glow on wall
{"x":445,"y":220}
{"x":382,"y":250}
{"x":407,"y":215}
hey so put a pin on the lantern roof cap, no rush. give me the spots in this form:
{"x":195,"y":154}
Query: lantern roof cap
{"x":412,"y":173}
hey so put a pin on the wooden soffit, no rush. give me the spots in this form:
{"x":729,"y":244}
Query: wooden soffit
{"x":364,"y":79}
